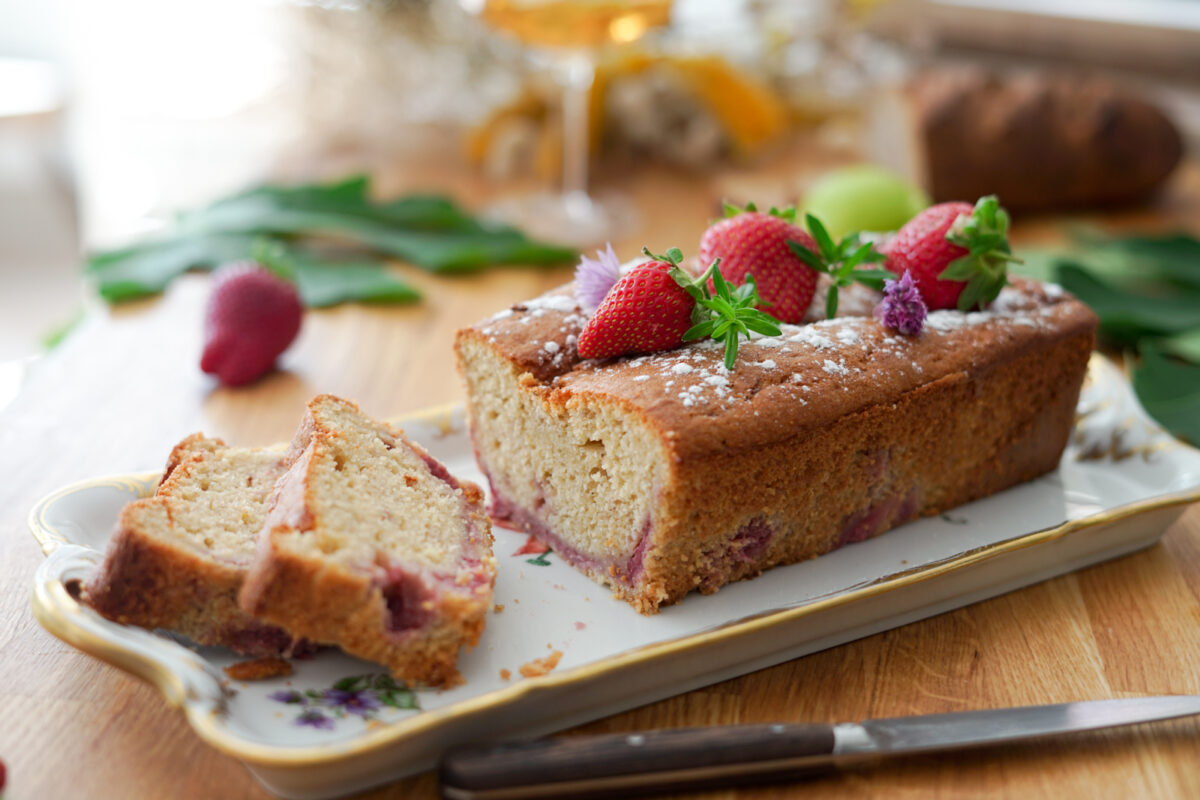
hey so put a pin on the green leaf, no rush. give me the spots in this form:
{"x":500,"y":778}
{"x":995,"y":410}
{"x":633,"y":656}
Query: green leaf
{"x":1170,"y":391}
{"x":352,"y":683}
{"x":327,"y":282}
{"x":831,"y":302}
{"x":701,"y":330}
{"x":971,"y":293}
{"x":386,"y":682}
{"x":402,"y":698}
{"x":824,"y":241}
{"x":146,"y":268}
{"x":1125,"y":316}
{"x":807,"y":256}
{"x":1185,"y":345}
{"x":960,"y":269}
{"x":731,"y":348}
{"x":428,"y":231}
{"x":767,"y":327}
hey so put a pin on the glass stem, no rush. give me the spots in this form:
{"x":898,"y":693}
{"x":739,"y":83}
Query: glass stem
{"x":579,"y":72}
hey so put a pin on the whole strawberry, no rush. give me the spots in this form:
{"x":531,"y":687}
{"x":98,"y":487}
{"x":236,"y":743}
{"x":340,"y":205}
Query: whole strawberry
{"x":750,"y":241}
{"x":251,"y":318}
{"x":957,"y":254}
{"x":644,"y":312}
{"x":658,"y":306}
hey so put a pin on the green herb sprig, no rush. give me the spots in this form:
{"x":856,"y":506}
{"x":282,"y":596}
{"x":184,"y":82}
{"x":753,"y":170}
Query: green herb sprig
{"x":725,"y":313}
{"x":841,"y":261}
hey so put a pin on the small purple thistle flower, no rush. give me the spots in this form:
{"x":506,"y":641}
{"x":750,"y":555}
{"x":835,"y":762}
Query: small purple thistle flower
{"x":360,"y":703}
{"x":595,"y":277}
{"x":314,"y":718}
{"x":902,"y":308}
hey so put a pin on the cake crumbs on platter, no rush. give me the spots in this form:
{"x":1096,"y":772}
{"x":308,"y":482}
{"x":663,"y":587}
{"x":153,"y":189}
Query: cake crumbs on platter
{"x":541,"y":666}
{"x":498,"y":607}
{"x":259,"y":669}
{"x":505,"y":674}
{"x":580,"y":625}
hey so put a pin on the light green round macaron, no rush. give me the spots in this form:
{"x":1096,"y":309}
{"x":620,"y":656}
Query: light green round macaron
{"x":863,"y":197}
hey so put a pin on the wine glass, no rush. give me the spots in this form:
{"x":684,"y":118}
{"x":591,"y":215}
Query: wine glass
{"x":567,"y":35}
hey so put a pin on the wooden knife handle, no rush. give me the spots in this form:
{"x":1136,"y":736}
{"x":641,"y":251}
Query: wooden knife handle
{"x":626,"y":764}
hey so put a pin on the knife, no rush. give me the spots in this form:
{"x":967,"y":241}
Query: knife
{"x":625,"y":764}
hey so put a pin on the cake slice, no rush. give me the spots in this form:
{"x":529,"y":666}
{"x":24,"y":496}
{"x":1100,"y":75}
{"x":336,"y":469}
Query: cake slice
{"x":372,"y":545}
{"x":663,"y":474}
{"x":177,"y":559}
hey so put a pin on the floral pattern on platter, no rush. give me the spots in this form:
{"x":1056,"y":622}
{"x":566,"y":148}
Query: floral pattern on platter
{"x":533,"y":547}
{"x":361,"y":695}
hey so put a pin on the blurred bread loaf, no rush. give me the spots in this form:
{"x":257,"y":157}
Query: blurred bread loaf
{"x":1041,"y":142}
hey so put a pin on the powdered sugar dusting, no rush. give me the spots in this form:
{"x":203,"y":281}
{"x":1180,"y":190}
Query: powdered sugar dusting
{"x":552,"y":302}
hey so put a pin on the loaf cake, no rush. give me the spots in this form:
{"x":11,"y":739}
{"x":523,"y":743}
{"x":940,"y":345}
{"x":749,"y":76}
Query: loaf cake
{"x":177,"y":559}
{"x":662,"y":474}
{"x":371,"y":545}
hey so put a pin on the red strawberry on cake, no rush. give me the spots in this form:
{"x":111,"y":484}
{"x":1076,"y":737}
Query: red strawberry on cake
{"x":658,"y":306}
{"x":647,"y":310}
{"x":750,"y":241}
{"x":956,"y":253}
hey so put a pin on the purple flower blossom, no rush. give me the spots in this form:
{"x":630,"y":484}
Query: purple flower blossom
{"x":594,"y":277}
{"x":314,"y":718}
{"x":902,"y":308}
{"x":360,"y":703}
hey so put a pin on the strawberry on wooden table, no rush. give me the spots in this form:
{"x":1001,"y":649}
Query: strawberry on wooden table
{"x":657,"y":306}
{"x":748,"y":240}
{"x":956,"y":253}
{"x":251,"y":318}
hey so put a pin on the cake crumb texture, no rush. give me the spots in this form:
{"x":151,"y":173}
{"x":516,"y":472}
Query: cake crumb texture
{"x":541,"y":666}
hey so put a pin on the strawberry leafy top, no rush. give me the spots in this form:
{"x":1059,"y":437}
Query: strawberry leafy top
{"x":840,"y":261}
{"x":984,"y":234}
{"x":727,"y":312}
{"x":787,"y":214}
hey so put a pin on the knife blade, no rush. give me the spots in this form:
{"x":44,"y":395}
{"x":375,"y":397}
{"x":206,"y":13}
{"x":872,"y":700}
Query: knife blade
{"x":620,"y":765}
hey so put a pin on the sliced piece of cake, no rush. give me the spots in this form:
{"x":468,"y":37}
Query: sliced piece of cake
{"x":372,"y":545}
{"x":177,"y":559}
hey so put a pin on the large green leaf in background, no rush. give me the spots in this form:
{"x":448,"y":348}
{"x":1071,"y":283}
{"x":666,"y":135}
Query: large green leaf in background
{"x":1126,"y":315}
{"x":428,"y":231}
{"x":1146,"y":292}
{"x":326,"y":281}
{"x":1169,"y":390}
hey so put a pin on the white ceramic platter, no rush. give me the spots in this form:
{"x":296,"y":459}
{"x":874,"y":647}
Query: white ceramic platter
{"x":1121,"y":483}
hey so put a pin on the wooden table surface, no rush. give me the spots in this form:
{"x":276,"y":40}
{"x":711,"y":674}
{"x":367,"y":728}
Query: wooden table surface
{"x":125,"y":387}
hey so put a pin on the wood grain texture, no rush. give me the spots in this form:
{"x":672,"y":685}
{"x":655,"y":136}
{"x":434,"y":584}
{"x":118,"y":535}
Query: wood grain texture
{"x":125,"y":387}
